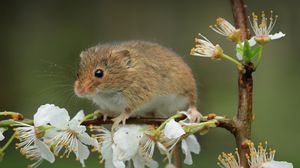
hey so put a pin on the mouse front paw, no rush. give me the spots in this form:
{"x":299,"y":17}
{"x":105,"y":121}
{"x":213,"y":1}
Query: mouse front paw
{"x":195,"y":115}
{"x":100,"y":113}
{"x":121,"y":118}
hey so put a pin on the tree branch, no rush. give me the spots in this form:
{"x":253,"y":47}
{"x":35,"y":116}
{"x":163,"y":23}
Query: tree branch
{"x":240,"y":18}
{"x":245,"y":82}
{"x":131,"y":120}
{"x":222,"y":121}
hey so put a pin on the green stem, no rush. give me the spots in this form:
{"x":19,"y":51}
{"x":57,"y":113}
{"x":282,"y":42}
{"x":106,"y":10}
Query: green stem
{"x":6,"y":113}
{"x":7,"y":143}
{"x":259,"y":57}
{"x":87,"y":117}
{"x":191,"y":129}
{"x":240,"y":65}
{"x":8,"y":123}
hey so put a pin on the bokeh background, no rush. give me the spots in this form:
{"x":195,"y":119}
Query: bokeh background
{"x":40,"y":42}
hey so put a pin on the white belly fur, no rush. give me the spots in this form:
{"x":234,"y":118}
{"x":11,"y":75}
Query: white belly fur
{"x":163,"y":106}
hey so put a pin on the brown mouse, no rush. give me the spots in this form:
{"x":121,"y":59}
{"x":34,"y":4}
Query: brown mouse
{"x":136,"y":78}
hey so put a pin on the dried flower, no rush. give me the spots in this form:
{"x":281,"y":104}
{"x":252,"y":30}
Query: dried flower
{"x":204,"y":48}
{"x":225,"y":28}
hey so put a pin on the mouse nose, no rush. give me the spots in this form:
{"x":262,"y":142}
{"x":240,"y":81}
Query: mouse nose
{"x":82,"y":89}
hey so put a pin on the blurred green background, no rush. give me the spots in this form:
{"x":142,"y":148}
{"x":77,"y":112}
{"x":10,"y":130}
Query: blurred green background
{"x":41,"y":41}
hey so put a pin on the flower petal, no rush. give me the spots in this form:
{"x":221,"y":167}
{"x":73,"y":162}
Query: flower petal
{"x":51,"y":133}
{"x":170,"y":165}
{"x":106,"y":150}
{"x":1,"y":134}
{"x":252,"y":41}
{"x":193,"y":144}
{"x":79,"y":116}
{"x":45,"y":151}
{"x":276,"y":36}
{"x":86,"y":139}
{"x":138,"y":162}
{"x":52,"y":114}
{"x":239,"y":56}
{"x":127,"y":140}
{"x":117,"y":163}
{"x":173,"y":130}
{"x":109,"y":164}
{"x":185,"y":149}
{"x":75,"y":125}
{"x":162,"y":149}
{"x":277,"y":164}
{"x":152,"y":164}
{"x":83,"y":153}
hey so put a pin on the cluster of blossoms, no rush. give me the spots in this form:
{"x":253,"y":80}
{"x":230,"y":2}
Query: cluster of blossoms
{"x":137,"y":143}
{"x":245,"y":52}
{"x":258,"y":157}
{"x":52,"y":133}
{"x":53,"y":130}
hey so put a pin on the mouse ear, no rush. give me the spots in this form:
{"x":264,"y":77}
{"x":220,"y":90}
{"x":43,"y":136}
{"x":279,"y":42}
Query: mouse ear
{"x":125,"y":54}
{"x":82,"y":54}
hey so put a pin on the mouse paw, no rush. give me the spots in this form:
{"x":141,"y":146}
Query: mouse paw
{"x":100,"y":113}
{"x":121,"y":118}
{"x":194,"y":114}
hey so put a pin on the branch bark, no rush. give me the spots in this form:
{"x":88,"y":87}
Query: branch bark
{"x":244,"y":116}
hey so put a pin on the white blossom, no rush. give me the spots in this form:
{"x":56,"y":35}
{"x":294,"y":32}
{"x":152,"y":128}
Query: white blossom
{"x":277,"y":164}
{"x":263,"y":29}
{"x":123,"y":145}
{"x":148,"y":143}
{"x":188,"y":145}
{"x":71,"y":136}
{"x":257,"y":158}
{"x":174,"y":132}
{"x":30,"y":137}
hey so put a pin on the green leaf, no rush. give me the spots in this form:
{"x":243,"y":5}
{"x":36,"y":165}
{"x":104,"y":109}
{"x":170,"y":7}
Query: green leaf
{"x":239,"y":49}
{"x":247,"y":51}
{"x":254,"y":52}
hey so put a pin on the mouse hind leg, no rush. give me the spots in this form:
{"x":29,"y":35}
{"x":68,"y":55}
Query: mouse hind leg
{"x":194,"y":114}
{"x":192,"y":110}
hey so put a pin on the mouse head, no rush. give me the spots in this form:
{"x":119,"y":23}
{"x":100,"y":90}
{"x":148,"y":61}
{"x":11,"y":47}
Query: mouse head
{"x":103,"y":69}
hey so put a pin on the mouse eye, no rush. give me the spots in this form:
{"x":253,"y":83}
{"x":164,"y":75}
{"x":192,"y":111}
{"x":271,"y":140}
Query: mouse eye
{"x":77,"y":75}
{"x":99,"y":73}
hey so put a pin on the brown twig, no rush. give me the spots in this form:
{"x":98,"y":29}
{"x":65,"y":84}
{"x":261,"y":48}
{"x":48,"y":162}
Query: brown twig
{"x":177,"y":154}
{"x":224,"y":122}
{"x":131,"y":120}
{"x":245,"y":82}
{"x":240,"y":18}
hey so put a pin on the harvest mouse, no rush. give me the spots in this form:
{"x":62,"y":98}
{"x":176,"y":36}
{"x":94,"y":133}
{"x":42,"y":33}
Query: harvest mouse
{"x":136,"y":78}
